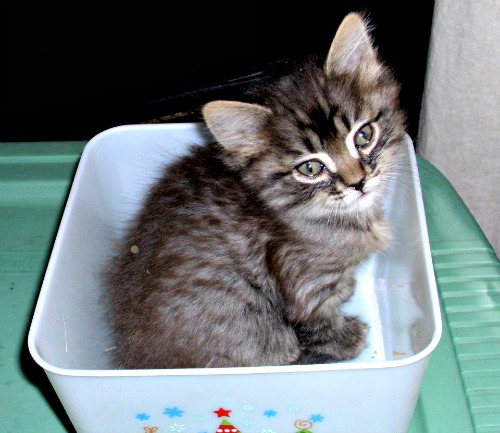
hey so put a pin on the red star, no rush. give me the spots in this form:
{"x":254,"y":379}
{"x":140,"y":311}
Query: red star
{"x":222,"y":412}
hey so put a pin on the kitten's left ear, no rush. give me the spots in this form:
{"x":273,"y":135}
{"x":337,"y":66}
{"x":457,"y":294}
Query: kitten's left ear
{"x":237,"y":126}
{"x":352,"y":51}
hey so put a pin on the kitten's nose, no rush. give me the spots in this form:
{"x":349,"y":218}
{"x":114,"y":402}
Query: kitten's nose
{"x":359,"y":185}
{"x":353,"y":178}
{"x":350,"y":171}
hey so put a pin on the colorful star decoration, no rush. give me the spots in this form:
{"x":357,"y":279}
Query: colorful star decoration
{"x":222,"y":412}
{"x":317,"y":418}
{"x":173,"y":412}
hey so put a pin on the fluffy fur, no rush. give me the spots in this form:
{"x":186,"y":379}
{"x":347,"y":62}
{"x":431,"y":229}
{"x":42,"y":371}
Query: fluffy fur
{"x":246,"y":248}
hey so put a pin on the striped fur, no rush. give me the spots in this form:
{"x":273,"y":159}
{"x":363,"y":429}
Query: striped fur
{"x":246,"y":248}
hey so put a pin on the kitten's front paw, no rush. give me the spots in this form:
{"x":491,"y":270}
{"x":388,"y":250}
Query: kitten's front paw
{"x":294,"y":356}
{"x":287,"y":350}
{"x":345,"y":288}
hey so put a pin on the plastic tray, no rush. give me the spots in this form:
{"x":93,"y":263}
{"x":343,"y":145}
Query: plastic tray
{"x":460,"y":391}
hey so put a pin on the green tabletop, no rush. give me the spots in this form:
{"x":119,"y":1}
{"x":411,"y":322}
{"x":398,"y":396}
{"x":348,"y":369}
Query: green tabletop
{"x":461,"y":389}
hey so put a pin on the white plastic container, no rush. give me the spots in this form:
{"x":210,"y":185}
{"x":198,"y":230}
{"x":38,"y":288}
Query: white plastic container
{"x":376,"y":393}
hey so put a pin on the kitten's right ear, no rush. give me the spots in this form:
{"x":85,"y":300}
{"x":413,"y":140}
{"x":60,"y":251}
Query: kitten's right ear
{"x":237,"y":126}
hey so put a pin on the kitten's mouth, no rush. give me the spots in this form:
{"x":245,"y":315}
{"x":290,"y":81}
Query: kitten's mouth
{"x":362,"y":198}
{"x":367,"y":190}
{"x":358,"y":193}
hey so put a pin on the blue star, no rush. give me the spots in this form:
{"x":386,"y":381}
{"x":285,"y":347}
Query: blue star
{"x":142,"y":416}
{"x":270,"y":413}
{"x":173,"y":412}
{"x":317,"y":418}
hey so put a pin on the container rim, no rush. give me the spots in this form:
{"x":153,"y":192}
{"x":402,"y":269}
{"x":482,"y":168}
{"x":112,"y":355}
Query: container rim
{"x":341,"y":366}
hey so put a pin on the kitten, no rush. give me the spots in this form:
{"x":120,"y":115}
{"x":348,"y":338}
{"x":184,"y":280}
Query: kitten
{"x":246,"y":248}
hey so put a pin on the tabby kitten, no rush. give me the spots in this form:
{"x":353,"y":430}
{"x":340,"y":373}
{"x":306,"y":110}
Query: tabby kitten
{"x":246,"y":248}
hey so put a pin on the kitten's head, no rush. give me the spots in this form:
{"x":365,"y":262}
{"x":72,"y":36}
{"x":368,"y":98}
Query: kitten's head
{"x":323,"y":141}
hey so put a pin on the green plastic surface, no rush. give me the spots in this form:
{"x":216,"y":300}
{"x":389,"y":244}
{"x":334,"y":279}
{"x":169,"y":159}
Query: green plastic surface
{"x":468,"y":275}
{"x":461,"y":388}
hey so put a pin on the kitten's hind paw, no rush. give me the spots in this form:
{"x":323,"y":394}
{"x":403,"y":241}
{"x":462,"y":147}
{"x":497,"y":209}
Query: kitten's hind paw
{"x":311,"y":357}
{"x":351,"y":339}
{"x":338,"y":342}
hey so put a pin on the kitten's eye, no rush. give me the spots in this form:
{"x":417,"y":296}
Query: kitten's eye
{"x":363,"y":136}
{"x":310,"y":168}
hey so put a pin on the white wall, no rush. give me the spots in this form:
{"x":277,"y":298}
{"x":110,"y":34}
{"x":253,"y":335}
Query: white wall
{"x":460,"y":118}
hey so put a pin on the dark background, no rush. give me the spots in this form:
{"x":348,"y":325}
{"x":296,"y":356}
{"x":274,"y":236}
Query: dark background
{"x":71,"y":69}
